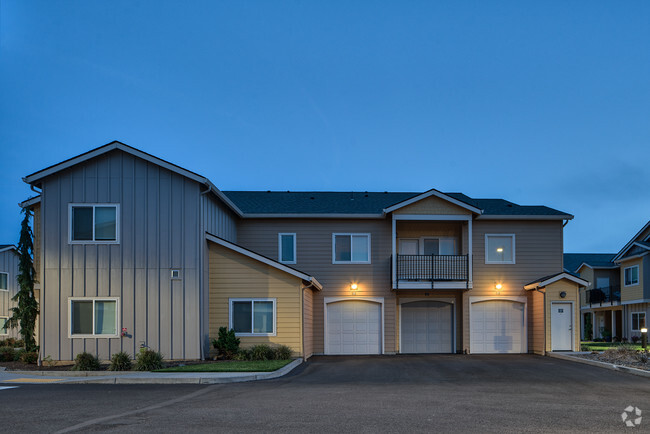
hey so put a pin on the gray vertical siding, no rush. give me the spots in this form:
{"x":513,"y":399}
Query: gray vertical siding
{"x":159,"y":222}
{"x":9,"y":265}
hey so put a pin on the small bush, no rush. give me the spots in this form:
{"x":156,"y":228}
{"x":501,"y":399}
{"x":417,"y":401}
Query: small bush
{"x":283,"y":352}
{"x":120,"y":362}
{"x":30,"y":357}
{"x":18,"y":354}
{"x":636,"y":339}
{"x":85,"y":362}
{"x":148,"y":360}
{"x":19,"y":343}
{"x":262,"y":352}
{"x":243,"y":355}
{"x":227,"y":344}
{"x":7,"y":354}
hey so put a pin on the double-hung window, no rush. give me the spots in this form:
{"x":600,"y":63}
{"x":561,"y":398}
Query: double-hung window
{"x":638,"y":321}
{"x":631,"y":275}
{"x":252,"y":316}
{"x":4,"y":330}
{"x":4,"y":281}
{"x":499,"y":249}
{"x":93,"y":317}
{"x":351,"y":248}
{"x":91,"y":223}
{"x":287,"y":248}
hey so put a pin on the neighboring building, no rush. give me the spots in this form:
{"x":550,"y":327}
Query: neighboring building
{"x":8,"y":288}
{"x":128,"y":241}
{"x":600,"y":302}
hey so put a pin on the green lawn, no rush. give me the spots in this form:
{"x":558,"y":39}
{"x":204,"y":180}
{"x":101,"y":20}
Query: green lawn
{"x":234,"y":366}
{"x":602,"y":346}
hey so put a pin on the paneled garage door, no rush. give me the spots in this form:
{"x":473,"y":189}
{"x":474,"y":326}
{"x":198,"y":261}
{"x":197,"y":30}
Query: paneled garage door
{"x":353,"y":327}
{"x":426,"y":327}
{"x":497,"y":327}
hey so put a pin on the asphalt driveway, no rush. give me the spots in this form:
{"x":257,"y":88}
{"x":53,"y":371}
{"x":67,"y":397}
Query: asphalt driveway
{"x":445,"y":393}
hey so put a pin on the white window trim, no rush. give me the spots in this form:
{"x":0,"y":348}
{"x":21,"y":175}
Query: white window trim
{"x":513,"y":249}
{"x":295,"y":251}
{"x":94,"y":299}
{"x":350,"y":234}
{"x":5,"y":290}
{"x":637,"y":275}
{"x":94,"y":205}
{"x":3,"y":320}
{"x":275,"y":315}
{"x":632,"y":320}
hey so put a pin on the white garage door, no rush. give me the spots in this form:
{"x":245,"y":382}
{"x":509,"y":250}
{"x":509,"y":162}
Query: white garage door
{"x":426,"y":327}
{"x":353,"y":327}
{"x":497,"y":327}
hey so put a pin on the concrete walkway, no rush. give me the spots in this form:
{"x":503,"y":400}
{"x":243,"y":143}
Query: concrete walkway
{"x":134,"y":377}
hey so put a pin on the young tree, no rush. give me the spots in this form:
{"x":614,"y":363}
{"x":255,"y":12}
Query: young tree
{"x":25,"y":314}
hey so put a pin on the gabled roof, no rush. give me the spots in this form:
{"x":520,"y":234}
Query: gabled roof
{"x":7,"y":247}
{"x":364,"y":204}
{"x":574,"y":261}
{"x":630,"y":243}
{"x":31,"y":201}
{"x":36,"y":177}
{"x":261,"y":258}
{"x":547,"y":280}
{"x":433,"y":192}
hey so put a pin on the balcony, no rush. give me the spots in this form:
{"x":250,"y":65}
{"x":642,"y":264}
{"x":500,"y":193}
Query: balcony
{"x":427,"y":269}
{"x":608,"y":296}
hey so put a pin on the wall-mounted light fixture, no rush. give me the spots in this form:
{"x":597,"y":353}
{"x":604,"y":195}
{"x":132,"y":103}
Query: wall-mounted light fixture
{"x":562,"y":294}
{"x":498,"y":286}
{"x":353,"y":288}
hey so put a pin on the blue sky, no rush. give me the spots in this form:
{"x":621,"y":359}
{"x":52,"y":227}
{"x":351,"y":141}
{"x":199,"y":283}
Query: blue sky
{"x":538,"y":103}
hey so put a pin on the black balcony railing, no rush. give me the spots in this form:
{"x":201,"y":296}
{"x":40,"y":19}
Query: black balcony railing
{"x":600,"y":296}
{"x":432,"y":268}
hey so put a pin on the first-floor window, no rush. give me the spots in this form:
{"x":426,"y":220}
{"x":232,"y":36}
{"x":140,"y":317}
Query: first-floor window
{"x":252,"y":316}
{"x":631,"y":275}
{"x":4,"y":281}
{"x":93,"y":317}
{"x":3,"y":325}
{"x":638,"y":321}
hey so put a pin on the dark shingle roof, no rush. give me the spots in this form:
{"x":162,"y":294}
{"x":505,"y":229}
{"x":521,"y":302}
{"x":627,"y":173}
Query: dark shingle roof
{"x":4,"y":246}
{"x":328,"y":202}
{"x":573,"y":260}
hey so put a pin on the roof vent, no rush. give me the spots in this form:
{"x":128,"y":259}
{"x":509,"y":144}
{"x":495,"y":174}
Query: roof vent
{"x":312,"y":197}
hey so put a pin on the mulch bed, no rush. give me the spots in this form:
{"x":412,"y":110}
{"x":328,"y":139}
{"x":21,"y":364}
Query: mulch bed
{"x":628,"y":358}
{"x":20,"y":366}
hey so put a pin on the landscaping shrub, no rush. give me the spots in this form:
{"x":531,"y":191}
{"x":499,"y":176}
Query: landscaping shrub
{"x":7,"y":354}
{"x":243,"y":355}
{"x":30,"y":357}
{"x":227,"y":344}
{"x":148,"y":360}
{"x":283,"y":352}
{"x":85,"y":362}
{"x":120,"y":362}
{"x":18,"y":354}
{"x":262,"y":352}
{"x":636,"y":339}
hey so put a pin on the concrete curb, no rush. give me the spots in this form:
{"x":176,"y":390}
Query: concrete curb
{"x":166,"y":377}
{"x":610,"y":366}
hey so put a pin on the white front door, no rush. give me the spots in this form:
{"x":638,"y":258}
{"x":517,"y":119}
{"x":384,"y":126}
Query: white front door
{"x":497,"y":326}
{"x":561,"y":327}
{"x":353,"y":327}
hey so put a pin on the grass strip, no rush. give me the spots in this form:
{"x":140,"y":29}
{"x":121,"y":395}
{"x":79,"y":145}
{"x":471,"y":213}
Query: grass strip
{"x":231,"y":366}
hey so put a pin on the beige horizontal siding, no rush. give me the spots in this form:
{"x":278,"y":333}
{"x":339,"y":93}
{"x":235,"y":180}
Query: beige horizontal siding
{"x":433,"y":205}
{"x":536,"y":329}
{"x":233,"y":275}
{"x":633,"y":292}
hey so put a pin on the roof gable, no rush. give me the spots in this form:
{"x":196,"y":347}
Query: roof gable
{"x":433,"y":202}
{"x":575,"y":261}
{"x":639,"y":237}
{"x":547,"y":280}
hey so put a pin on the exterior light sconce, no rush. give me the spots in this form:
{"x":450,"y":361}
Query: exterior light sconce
{"x":644,"y":337}
{"x":353,"y":288}
{"x":498,"y":287}
{"x":562,"y":294}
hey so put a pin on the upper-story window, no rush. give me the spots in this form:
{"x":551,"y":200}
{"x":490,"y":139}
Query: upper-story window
{"x":631,"y":275}
{"x":499,"y":249}
{"x":287,"y":248}
{"x":94,"y":223}
{"x":351,"y":248}
{"x":4,"y":281}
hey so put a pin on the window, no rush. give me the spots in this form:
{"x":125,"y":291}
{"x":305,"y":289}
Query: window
{"x":4,"y":281}
{"x":94,"y":223}
{"x":631,"y":275}
{"x":638,"y":321}
{"x":499,"y":249}
{"x":287,"y":248}
{"x":252,"y":316}
{"x":93,"y":317}
{"x":4,"y":330}
{"x":427,"y":246}
{"x":351,"y":248}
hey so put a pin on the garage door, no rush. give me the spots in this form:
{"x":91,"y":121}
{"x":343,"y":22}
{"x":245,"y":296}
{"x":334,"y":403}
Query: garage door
{"x":354,"y":327}
{"x":426,"y":327}
{"x":497,"y":327}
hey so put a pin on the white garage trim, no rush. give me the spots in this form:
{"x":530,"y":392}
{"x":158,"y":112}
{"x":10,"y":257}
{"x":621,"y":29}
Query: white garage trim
{"x":451,"y":301}
{"x":523,"y":300}
{"x":328,"y":300}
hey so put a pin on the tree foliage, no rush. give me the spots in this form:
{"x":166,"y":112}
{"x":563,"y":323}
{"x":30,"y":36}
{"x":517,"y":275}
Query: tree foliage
{"x":26,"y":313}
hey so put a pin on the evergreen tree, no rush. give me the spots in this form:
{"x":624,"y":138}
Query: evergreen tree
{"x":25,"y":314}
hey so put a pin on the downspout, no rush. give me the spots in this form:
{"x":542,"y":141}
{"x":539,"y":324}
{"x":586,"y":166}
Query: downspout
{"x":565,"y":223}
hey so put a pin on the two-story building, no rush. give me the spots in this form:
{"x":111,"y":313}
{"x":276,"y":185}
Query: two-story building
{"x":8,"y":288}
{"x":133,"y":250}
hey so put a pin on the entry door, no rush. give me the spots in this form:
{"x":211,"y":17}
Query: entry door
{"x":409,"y":247}
{"x":561,"y":326}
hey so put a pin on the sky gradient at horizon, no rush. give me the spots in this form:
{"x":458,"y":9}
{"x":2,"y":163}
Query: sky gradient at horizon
{"x":540,"y":103}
